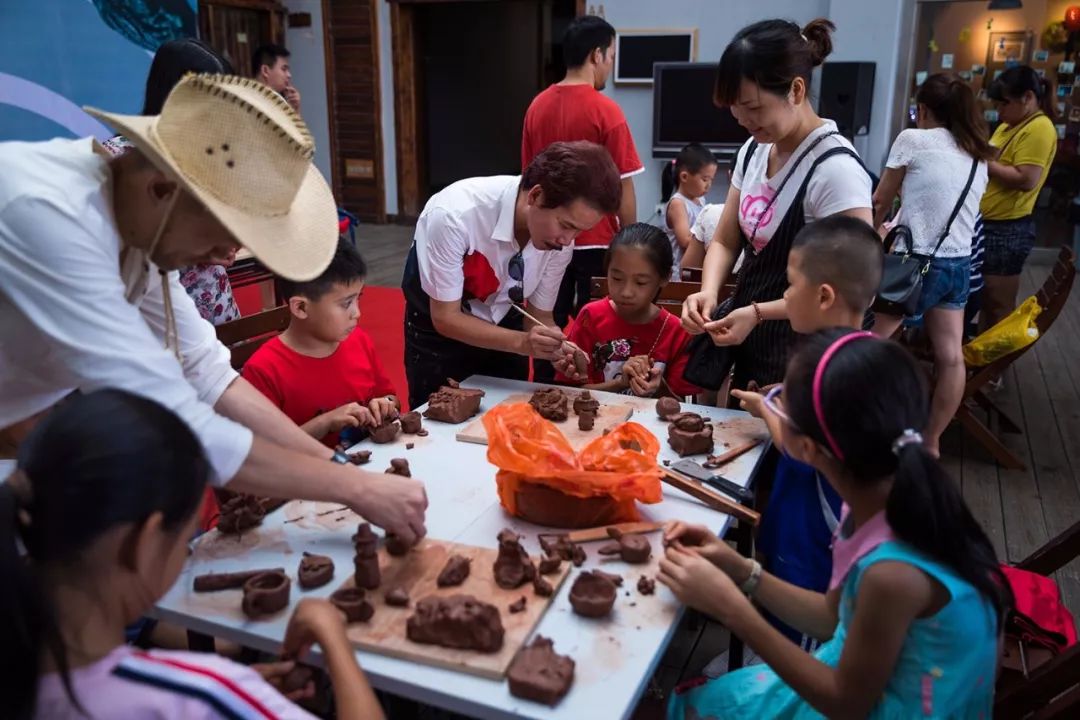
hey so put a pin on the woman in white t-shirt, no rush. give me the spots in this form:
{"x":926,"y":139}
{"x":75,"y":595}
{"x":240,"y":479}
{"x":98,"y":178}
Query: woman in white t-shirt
{"x":796,"y":169}
{"x":930,"y":166}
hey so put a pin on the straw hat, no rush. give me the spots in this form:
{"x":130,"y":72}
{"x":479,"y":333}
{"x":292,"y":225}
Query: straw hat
{"x":243,"y":152}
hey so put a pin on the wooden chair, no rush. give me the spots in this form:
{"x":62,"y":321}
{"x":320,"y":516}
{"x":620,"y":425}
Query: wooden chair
{"x":690,"y":274}
{"x":1052,"y":297}
{"x":1051,"y":690}
{"x":246,"y":335}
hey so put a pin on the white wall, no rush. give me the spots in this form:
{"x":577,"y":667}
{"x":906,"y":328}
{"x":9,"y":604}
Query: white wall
{"x":309,"y":76}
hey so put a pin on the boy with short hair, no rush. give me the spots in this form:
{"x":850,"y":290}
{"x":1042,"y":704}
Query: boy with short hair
{"x":323,"y":371}
{"x":834,"y":271}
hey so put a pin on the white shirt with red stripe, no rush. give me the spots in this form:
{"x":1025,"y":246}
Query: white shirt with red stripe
{"x":157,"y":685}
{"x":464,"y":243}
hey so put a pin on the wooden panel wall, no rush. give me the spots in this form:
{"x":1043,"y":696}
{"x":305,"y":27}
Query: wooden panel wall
{"x":352,"y":69}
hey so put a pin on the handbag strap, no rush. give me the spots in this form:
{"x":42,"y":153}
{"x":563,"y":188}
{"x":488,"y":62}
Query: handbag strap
{"x":959,"y":205}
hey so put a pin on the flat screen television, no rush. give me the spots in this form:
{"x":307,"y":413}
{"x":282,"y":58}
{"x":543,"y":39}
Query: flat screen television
{"x":683,"y":111}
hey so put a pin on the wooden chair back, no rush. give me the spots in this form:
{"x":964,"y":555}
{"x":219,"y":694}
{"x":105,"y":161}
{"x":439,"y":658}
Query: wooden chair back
{"x":671,"y":296}
{"x":247,"y":334}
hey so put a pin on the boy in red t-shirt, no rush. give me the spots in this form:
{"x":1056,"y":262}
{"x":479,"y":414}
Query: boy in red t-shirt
{"x":323,"y":371}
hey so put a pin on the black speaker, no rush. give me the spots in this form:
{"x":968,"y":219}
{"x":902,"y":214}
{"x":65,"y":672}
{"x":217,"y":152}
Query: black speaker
{"x":847,"y":95}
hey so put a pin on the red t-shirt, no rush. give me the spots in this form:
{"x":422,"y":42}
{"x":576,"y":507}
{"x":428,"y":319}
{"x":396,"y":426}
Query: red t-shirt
{"x":611,"y":341}
{"x":304,"y":386}
{"x":564,"y":113}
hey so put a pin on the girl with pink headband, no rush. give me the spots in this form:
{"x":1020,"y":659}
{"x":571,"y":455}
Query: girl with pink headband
{"x":911,"y":620}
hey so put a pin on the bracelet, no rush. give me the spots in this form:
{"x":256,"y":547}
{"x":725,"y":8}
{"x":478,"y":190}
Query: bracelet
{"x":340,"y":458}
{"x":757,"y":313}
{"x":750,"y":586}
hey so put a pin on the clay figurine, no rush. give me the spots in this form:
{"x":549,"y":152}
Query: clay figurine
{"x":360,"y":457}
{"x":551,"y":403}
{"x":353,"y":602}
{"x":315,"y":571}
{"x":592,"y":595}
{"x":586,"y":419}
{"x":411,"y":423}
{"x":666,"y":407}
{"x":542,"y":587}
{"x":512,"y":567}
{"x":396,"y":546}
{"x":368,"y":575}
{"x":397,"y":597}
{"x":453,"y":404}
{"x":239,"y":513}
{"x":560,"y":546}
{"x":646,"y":585}
{"x":213,"y":582}
{"x":517,"y":606}
{"x":385,"y":432}
{"x":457,"y":621}
{"x":455,"y":571}
{"x":539,"y":674}
{"x":265,"y":594}
{"x":585,"y":402}
{"x":549,"y":565}
{"x":399,"y":466}
{"x":690,"y":434}
{"x":631,"y":548}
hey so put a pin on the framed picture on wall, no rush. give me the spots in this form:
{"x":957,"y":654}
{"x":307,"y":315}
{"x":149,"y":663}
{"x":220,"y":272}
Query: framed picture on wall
{"x":636,"y":51}
{"x":1005,"y":46}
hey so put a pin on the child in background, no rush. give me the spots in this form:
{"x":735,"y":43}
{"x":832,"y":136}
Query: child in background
{"x":105,"y":526}
{"x":634,"y":345}
{"x":690,"y":175}
{"x":323,"y":371}
{"x":916,"y":600}
{"x":834,"y":269}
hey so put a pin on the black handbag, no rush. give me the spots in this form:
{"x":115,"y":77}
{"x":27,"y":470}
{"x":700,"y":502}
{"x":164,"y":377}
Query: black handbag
{"x":708,"y":364}
{"x":902,"y":273}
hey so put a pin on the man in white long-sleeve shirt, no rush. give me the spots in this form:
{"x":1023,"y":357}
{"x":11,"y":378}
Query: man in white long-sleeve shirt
{"x":83,"y":305}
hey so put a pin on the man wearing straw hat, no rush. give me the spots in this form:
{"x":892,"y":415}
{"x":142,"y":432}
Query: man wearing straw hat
{"x":89,"y":296}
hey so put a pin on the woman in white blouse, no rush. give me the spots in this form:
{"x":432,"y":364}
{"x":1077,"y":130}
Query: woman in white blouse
{"x":929,"y":167}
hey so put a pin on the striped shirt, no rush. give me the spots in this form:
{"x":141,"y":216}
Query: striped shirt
{"x":157,"y":685}
{"x":978,"y":244}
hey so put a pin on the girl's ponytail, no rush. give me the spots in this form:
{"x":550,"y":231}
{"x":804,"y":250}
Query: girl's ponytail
{"x":669,"y":180}
{"x":1047,"y":99}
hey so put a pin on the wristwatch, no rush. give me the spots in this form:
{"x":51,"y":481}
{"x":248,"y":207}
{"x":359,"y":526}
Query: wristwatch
{"x":751,"y":583}
{"x":340,"y":458}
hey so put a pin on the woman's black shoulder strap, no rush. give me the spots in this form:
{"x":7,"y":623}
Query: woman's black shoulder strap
{"x":750,"y":150}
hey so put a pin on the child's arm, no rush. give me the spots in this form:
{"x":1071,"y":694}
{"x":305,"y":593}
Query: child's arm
{"x":679,"y":222}
{"x":348,"y":415}
{"x":887,"y":190}
{"x":753,"y":402}
{"x":693,"y":254}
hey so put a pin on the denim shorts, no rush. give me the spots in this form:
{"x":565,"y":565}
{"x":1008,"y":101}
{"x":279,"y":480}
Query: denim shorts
{"x":945,"y":285}
{"x":1008,"y":244}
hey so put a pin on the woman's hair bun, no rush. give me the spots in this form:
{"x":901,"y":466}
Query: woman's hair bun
{"x":818,"y":34}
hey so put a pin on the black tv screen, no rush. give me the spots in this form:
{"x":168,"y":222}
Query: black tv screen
{"x":683,"y":110}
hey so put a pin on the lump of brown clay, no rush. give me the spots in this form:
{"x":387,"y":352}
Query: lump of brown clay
{"x":517,"y":606}
{"x":646,"y":585}
{"x":666,"y":407}
{"x":539,"y":674}
{"x":213,"y":582}
{"x":385,"y":432}
{"x":550,"y":565}
{"x":631,"y":548}
{"x":360,"y":457}
{"x":455,"y":571}
{"x":616,"y":580}
{"x":453,"y":404}
{"x":368,"y":576}
{"x":592,"y":595}
{"x":560,"y":546}
{"x":551,"y":403}
{"x":512,"y":567}
{"x":399,"y":466}
{"x":396,"y":546}
{"x":398,"y":597}
{"x":542,"y":587}
{"x":585,"y":402}
{"x":239,"y":513}
{"x":353,"y":602}
{"x":315,"y":571}
{"x":586,"y":420}
{"x":690,"y":434}
{"x":265,"y":594}
{"x":457,"y":621}
{"x":411,"y":423}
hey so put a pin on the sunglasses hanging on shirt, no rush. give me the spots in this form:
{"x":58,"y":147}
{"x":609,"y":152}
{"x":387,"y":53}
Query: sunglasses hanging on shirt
{"x":517,"y":274}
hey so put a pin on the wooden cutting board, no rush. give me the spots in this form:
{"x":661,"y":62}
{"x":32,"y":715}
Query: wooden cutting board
{"x":609,"y":415}
{"x":416,"y":572}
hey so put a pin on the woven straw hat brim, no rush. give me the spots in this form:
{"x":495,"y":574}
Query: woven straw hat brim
{"x":297,"y":245}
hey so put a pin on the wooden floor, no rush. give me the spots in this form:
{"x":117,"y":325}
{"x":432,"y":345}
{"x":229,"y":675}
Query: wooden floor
{"x":384,"y":248}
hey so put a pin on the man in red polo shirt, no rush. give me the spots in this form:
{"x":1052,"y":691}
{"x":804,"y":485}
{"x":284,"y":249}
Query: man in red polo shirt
{"x":575,"y":109}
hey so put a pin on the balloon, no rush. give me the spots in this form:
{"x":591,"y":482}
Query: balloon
{"x":1072,"y":18}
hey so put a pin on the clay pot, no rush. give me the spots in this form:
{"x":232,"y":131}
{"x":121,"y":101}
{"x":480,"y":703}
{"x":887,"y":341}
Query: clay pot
{"x":592,"y":595}
{"x":265,"y":594}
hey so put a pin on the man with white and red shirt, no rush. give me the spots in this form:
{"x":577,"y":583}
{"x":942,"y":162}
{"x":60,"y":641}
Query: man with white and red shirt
{"x":483,"y":244}
{"x":575,"y":109}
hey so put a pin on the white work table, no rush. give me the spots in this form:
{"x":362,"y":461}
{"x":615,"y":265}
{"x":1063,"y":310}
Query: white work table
{"x":615,"y":656}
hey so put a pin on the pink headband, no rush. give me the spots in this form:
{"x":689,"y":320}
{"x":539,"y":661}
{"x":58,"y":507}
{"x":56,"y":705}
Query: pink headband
{"x":819,"y":373}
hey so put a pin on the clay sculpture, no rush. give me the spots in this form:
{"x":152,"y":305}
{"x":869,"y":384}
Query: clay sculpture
{"x":453,"y":404}
{"x":631,"y":548}
{"x":360,"y":457}
{"x":213,"y":582}
{"x":517,"y":606}
{"x":457,"y":621}
{"x":411,"y":423}
{"x":239,"y":513}
{"x":539,"y":674}
{"x":399,"y":466}
{"x":265,"y":594}
{"x":398,"y":597}
{"x":366,"y":561}
{"x":586,"y":419}
{"x":666,"y":407}
{"x":396,"y":546}
{"x":353,"y":602}
{"x":512,"y":567}
{"x":385,"y":432}
{"x":550,"y":565}
{"x":690,"y":434}
{"x":585,"y":402}
{"x":542,"y":587}
{"x":551,"y":403}
{"x":615,"y":579}
{"x":592,"y":595}
{"x":646,"y":585}
{"x":455,"y":571}
{"x":315,"y":571}
{"x":560,"y":546}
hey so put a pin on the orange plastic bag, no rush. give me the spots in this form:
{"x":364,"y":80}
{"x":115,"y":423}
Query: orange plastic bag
{"x":541,"y":479}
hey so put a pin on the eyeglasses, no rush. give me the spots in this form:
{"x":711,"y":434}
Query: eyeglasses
{"x":517,"y":274}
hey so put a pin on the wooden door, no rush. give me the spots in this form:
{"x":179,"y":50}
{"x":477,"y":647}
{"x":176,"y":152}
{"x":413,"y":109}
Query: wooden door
{"x":236,"y":27}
